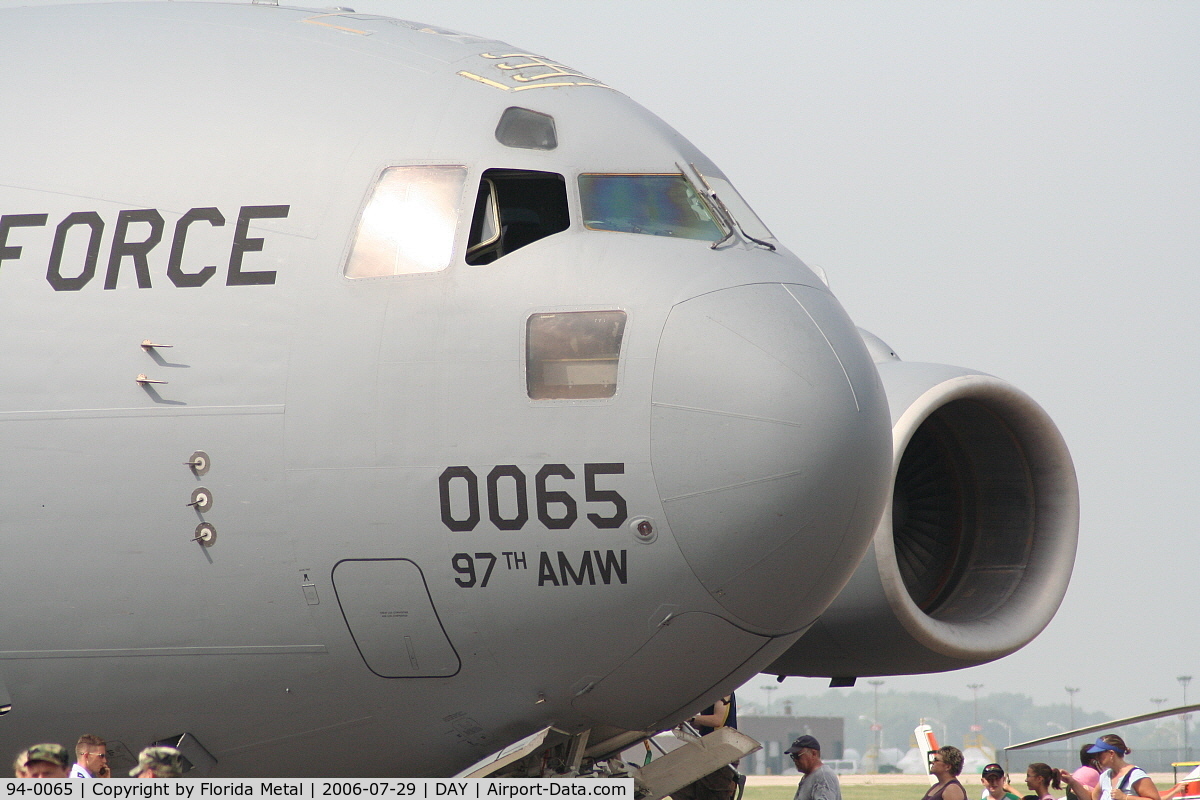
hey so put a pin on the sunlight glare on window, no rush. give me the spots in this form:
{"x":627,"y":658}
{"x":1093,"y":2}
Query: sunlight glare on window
{"x":408,"y":224}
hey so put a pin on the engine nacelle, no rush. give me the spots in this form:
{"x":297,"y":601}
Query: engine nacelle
{"x":975,"y":548}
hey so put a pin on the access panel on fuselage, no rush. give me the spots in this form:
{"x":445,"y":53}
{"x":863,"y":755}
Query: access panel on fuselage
{"x":391,"y":616}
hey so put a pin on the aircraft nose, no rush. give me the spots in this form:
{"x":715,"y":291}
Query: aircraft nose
{"x":771,"y":448}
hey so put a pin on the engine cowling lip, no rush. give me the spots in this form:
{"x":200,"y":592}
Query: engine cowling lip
{"x":1009,"y":628}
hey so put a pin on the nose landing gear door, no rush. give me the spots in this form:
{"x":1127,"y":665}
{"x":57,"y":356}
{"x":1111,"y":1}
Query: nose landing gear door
{"x":391,"y":617}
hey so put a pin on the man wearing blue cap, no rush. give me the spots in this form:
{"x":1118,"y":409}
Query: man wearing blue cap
{"x":820,"y":782}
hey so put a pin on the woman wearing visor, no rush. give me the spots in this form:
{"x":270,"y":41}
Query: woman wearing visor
{"x":1119,"y":780}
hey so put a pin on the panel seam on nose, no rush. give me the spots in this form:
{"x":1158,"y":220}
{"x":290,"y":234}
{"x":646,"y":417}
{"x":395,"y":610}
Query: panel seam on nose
{"x":780,"y":476}
{"x":832,"y":349}
{"x":730,"y":414}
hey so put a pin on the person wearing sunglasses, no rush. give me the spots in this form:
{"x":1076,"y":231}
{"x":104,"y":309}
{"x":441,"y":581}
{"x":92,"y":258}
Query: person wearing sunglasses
{"x":820,"y":782}
{"x":1119,"y":780}
{"x":946,"y":764}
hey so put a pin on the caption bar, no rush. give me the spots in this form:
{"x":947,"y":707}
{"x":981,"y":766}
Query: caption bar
{"x":415,"y":788}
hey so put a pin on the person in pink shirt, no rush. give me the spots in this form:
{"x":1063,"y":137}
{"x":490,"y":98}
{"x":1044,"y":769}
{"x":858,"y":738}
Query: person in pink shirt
{"x":1087,"y":774}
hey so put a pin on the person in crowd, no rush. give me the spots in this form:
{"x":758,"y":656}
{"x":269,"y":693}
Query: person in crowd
{"x":1119,"y":780}
{"x":720,"y":714}
{"x":47,"y":760}
{"x":723,"y":783}
{"x":91,"y":758}
{"x":1087,"y":774}
{"x":995,"y":787}
{"x":820,"y":782}
{"x":158,"y":762}
{"x":19,"y":764}
{"x":946,"y":765}
{"x":1039,"y":778}
{"x":1190,"y":785}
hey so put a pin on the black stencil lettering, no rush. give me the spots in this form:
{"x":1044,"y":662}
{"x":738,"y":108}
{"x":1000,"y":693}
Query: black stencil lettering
{"x":243,"y":244}
{"x":518,"y":477}
{"x":585,"y":569}
{"x":546,"y":570}
{"x":546,"y":497}
{"x":608,"y":565}
{"x":594,"y":495}
{"x":487,"y":575}
{"x":465,"y":473}
{"x":54,"y":269}
{"x":174,"y":269}
{"x":135,"y":250}
{"x":10,"y":221}
{"x":464,"y":565}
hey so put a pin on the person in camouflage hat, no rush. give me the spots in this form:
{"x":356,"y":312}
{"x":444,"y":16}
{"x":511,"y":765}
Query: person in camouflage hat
{"x":158,"y":762}
{"x":47,"y":761}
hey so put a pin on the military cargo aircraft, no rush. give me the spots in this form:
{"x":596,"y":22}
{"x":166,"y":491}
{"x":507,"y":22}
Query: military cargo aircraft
{"x":375,"y":396}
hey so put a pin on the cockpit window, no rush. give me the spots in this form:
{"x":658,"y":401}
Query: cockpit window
{"x":408,"y":224}
{"x":747,"y":220}
{"x":573,"y":355}
{"x":531,"y":130}
{"x":659,"y":205}
{"x":515,"y":208}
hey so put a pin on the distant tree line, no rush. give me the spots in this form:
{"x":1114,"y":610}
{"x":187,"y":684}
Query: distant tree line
{"x":952,"y":717}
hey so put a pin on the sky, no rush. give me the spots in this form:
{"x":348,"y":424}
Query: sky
{"x":1008,"y":186}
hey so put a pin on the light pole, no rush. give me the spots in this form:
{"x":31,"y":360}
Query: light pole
{"x":1006,"y":727}
{"x":871,"y":759}
{"x":875,"y":684}
{"x":1071,"y":690}
{"x":768,"y":689}
{"x":1158,"y":704}
{"x":1056,"y":726}
{"x":1184,"y":680}
{"x":975,"y":728}
{"x":877,"y":727}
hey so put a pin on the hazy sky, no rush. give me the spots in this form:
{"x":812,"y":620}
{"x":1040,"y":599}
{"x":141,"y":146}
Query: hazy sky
{"x":1010,"y":186}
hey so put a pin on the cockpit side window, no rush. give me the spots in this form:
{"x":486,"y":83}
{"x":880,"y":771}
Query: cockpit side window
{"x":573,"y":355}
{"x":658,"y":205}
{"x":515,"y":208}
{"x":408,"y":224}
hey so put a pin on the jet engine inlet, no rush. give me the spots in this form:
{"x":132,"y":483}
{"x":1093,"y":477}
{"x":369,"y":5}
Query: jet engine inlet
{"x":975,"y":549}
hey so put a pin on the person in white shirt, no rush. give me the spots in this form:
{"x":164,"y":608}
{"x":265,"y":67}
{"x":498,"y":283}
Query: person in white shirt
{"x":1119,"y":780}
{"x":91,"y":758}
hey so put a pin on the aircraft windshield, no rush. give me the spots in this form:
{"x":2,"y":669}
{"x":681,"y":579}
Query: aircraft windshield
{"x":658,"y":205}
